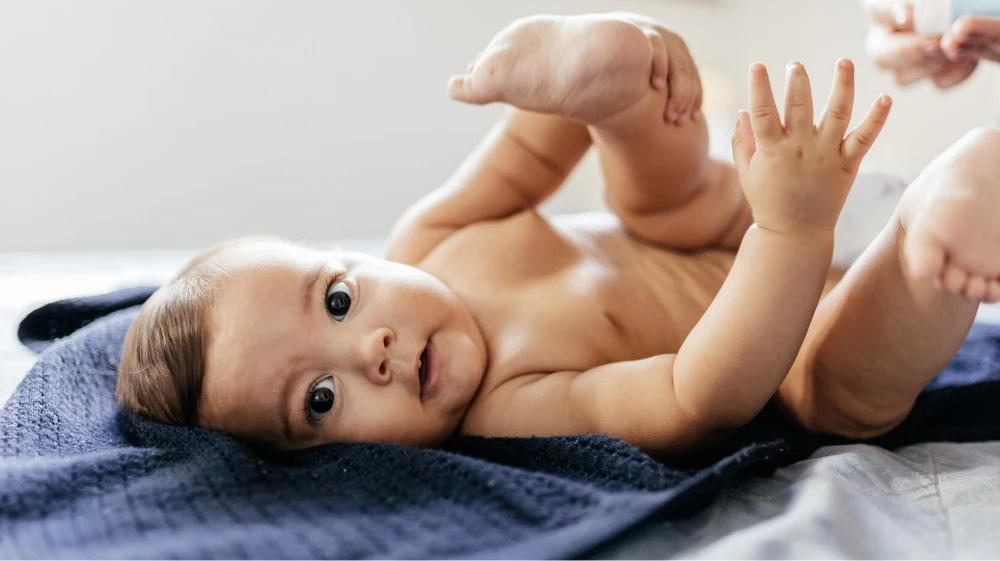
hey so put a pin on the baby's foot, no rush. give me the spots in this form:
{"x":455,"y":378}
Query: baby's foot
{"x":588,"y":67}
{"x":951,"y":215}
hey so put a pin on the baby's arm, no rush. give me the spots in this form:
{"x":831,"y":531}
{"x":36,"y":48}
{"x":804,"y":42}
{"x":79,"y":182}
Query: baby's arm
{"x":796,"y":177}
{"x":522,"y":161}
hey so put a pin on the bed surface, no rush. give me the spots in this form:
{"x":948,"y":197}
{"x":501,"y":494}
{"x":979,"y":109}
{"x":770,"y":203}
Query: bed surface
{"x":930,"y":500}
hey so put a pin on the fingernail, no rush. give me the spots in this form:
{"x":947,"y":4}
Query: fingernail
{"x":659,"y":82}
{"x":884,"y":101}
{"x":932,"y":46}
{"x":671,"y":116}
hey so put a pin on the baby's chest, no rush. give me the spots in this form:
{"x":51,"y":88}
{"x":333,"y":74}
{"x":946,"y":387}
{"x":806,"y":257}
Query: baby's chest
{"x":564,"y":324}
{"x":551,"y":300}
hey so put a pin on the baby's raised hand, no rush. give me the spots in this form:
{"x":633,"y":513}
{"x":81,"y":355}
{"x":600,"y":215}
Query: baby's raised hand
{"x":796,"y":175}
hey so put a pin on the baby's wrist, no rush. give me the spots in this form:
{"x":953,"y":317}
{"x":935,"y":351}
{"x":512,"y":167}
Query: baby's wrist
{"x":799,"y":233}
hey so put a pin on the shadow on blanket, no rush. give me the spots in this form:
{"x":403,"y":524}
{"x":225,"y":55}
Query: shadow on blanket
{"x":79,"y":479}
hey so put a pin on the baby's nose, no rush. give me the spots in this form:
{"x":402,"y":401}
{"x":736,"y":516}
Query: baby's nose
{"x":377,"y":361}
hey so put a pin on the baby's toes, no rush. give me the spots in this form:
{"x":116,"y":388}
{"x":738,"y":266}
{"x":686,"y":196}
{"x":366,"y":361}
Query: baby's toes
{"x":975,"y":288}
{"x":672,"y":110}
{"x":992,"y":291}
{"x":954,"y":280}
{"x":680,"y":98}
{"x":477,"y":86}
{"x":460,"y":88}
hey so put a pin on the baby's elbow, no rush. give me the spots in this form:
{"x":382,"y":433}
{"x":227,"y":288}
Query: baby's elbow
{"x":715,"y":415}
{"x":687,"y":434}
{"x":722,"y":420}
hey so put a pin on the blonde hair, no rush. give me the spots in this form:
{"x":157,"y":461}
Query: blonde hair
{"x":163,"y":359}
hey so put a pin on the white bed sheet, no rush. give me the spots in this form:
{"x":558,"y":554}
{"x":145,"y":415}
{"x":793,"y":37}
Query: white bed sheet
{"x":930,"y":500}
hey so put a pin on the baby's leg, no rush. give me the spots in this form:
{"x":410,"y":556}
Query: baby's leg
{"x":903,"y":310}
{"x":602,"y":70}
{"x":521,"y":162}
{"x":662,"y":184}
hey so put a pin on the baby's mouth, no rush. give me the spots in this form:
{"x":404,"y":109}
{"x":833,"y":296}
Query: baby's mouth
{"x":422,"y":371}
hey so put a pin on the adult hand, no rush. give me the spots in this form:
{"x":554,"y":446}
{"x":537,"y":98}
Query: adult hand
{"x":894,"y":46}
{"x":973,"y":37}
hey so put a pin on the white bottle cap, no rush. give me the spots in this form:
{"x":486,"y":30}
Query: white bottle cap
{"x":932,"y":17}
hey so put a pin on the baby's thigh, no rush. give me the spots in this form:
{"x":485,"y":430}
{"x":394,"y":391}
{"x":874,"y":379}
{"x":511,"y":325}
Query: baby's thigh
{"x":833,"y":278}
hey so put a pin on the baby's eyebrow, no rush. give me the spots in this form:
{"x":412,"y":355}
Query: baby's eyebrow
{"x":308,"y":291}
{"x":309,"y":288}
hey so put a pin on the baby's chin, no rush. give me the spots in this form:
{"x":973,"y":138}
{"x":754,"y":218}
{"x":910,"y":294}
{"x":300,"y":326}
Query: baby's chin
{"x":464,"y":366}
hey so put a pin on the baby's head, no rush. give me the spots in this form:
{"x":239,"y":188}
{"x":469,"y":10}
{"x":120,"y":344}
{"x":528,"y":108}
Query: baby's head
{"x":289,"y":346}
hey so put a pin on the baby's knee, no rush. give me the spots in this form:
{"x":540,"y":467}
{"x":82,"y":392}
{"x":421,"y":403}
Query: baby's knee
{"x":854,"y":424}
{"x":978,"y":146}
{"x":984,"y":136}
{"x":824,"y":406}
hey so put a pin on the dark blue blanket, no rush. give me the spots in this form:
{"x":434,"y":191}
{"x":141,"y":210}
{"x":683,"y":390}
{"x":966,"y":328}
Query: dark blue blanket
{"x":78,"y":479}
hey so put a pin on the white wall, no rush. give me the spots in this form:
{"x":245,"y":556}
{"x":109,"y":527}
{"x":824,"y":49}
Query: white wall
{"x":177,"y":123}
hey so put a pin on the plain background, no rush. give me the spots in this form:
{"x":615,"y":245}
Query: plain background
{"x":141,"y":124}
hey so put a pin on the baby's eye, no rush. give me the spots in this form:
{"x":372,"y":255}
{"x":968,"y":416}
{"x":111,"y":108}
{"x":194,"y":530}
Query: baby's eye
{"x":338,"y":300}
{"x":321,"y":400}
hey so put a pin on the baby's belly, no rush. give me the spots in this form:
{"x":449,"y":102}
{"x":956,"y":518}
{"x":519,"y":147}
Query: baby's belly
{"x":680,"y":286}
{"x":675,"y":288}
{"x":587,"y":292}
{"x":655,"y":294}
{"x":642,"y":304}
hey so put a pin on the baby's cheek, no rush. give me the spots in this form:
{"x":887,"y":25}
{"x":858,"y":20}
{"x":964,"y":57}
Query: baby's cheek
{"x":390,"y":417}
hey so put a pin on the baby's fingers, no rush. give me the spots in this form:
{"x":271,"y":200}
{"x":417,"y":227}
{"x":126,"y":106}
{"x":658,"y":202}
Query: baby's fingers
{"x":684,"y":83}
{"x":837,"y":116}
{"x":857,"y":144}
{"x":954,"y":73}
{"x":658,"y":79}
{"x":798,"y":100}
{"x":969,"y":27}
{"x":763,"y":111}
{"x":744,"y":145}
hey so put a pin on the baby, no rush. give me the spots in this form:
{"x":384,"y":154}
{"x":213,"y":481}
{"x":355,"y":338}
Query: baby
{"x":707,"y":292}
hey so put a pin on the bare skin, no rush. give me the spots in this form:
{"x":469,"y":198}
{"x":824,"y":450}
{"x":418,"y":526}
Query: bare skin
{"x":947,"y":60}
{"x":667,"y":323}
{"x":894,"y":46}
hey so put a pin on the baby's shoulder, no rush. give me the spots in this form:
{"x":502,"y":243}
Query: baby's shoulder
{"x":519,"y":238}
